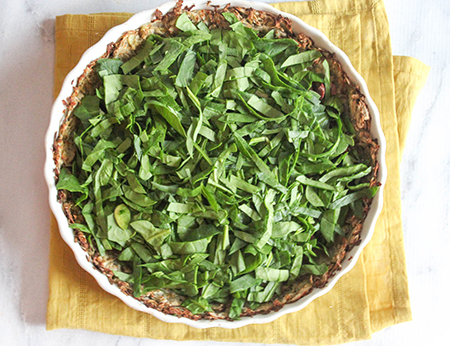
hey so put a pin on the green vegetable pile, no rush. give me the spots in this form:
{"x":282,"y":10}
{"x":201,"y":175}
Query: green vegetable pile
{"x":208,"y":165}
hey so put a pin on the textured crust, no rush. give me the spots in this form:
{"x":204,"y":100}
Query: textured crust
{"x":124,"y":48}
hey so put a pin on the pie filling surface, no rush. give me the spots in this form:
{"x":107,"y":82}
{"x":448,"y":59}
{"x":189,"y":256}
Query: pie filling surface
{"x":214,"y":164}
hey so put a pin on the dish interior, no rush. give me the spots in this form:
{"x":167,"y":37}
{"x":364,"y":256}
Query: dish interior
{"x":67,"y":234}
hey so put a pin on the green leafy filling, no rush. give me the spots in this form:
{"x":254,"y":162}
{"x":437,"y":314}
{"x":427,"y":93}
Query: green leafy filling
{"x":211,"y":168}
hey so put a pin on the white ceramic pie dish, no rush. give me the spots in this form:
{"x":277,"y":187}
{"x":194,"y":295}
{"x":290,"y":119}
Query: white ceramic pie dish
{"x":96,"y":51}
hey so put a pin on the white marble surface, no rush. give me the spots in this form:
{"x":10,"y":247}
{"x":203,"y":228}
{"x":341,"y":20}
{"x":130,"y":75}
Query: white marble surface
{"x":26,"y":72}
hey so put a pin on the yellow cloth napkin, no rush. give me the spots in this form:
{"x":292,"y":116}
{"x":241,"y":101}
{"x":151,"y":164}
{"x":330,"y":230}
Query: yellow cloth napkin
{"x":372,"y":296}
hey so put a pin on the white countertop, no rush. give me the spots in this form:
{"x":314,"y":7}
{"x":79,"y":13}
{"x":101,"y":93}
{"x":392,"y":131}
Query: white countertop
{"x":26,"y":80}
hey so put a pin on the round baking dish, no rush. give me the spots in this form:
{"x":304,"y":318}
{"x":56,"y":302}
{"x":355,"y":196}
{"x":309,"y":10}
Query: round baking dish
{"x":97,"y":50}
